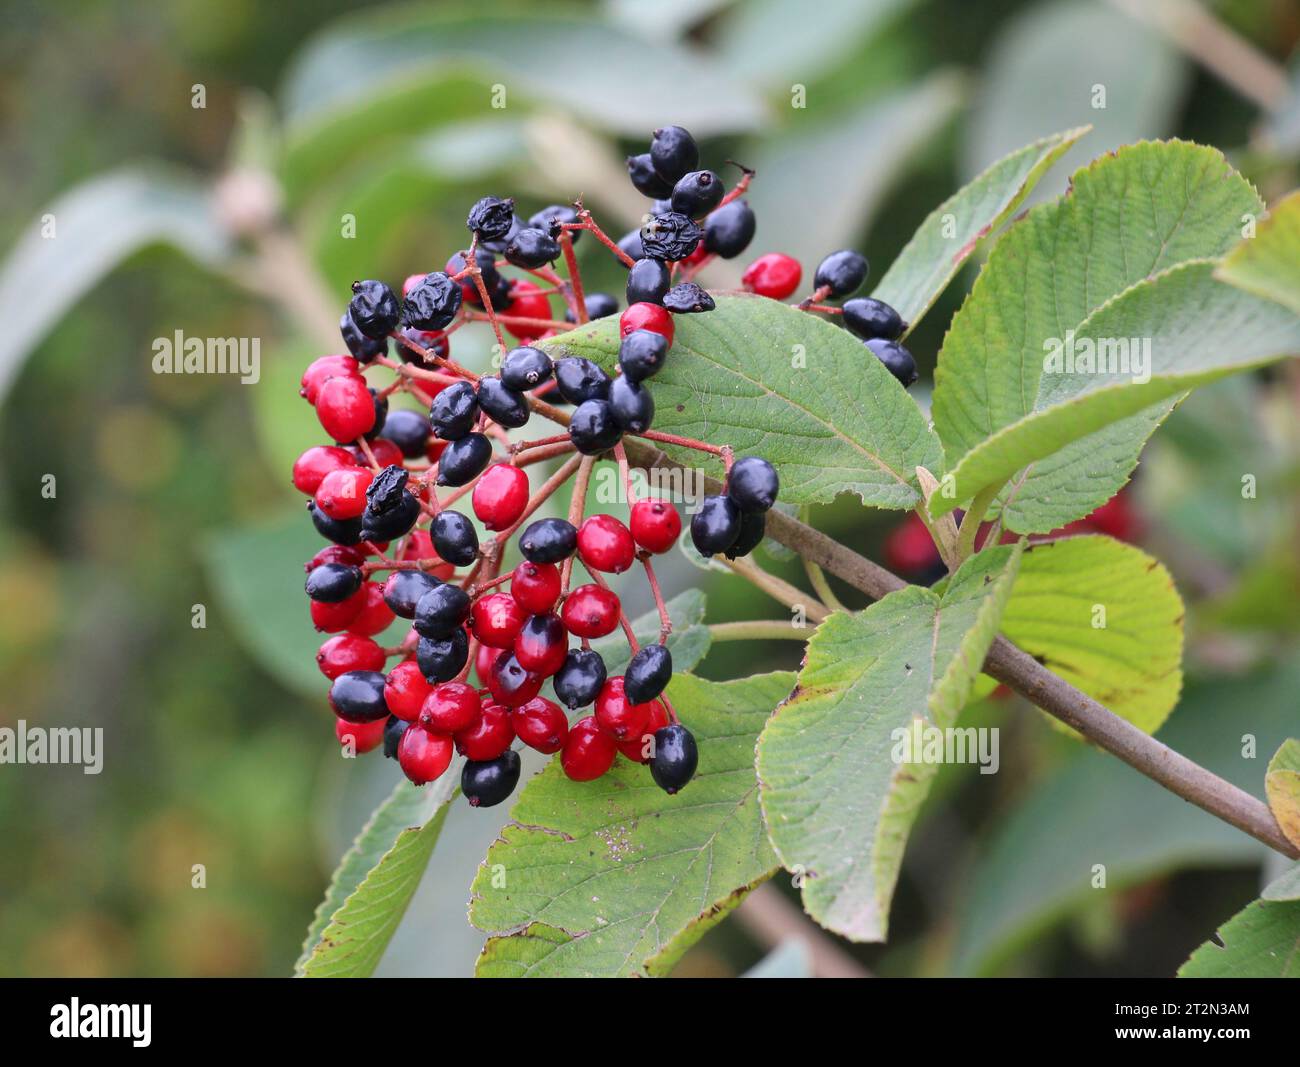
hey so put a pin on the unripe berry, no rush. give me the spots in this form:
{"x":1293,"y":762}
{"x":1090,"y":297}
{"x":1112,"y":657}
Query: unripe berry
{"x":375,"y":615}
{"x":348,"y":652}
{"x":342,"y":493}
{"x":536,"y":586}
{"x":345,"y":408}
{"x":363,"y":736}
{"x":488,"y":736}
{"x":590,"y":611}
{"x":500,"y":496}
{"x":617,"y":715}
{"x":605,"y":544}
{"x":540,"y":724}
{"x":774,"y":275}
{"x":319,"y":371}
{"x":406,"y":690}
{"x":647,"y":316}
{"x":655,"y":525}
{"x":588,"y":751}
{"x":451,"y":707}
{"x":496,"y":620}
{"x":313,"y":465}
{"x":542,"y":644}
{"x":423,"y":755}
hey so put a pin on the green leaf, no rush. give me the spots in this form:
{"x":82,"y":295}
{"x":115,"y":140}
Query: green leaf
{"x":376,"y":880}
{"x":1262,"y":941}
{"x":1268,"y":264}
{"x":1128,"y":217}
{"x":930,"y":260}
{"x":838,"y":794}
{"x":777,"y":382}
{"x":88,"y":231}
{"x":1285,"y":887}
{"x":1132,"y":662}
{"x":689,"y":641}
{"x":1282,"y":784}
{"x":614,"y":877}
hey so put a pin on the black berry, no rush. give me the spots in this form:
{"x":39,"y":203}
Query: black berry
{"x":673,"y":152}
{"x":498,"y":244}
{"x":897,"y":359}
{"x":631,"y":405}
{"x":454,"y":538}
{"x":364,"y":349}
{"x":441,"y":659}
{"x":373,"y":309}
{"x":548,"y":541}
{"x":579,"y":380}
{"x":753,"y":525}
{"x":332,"y":582}
{"x":489,"y":782}
{"x":870,"y":318}
{"x":454,"y":411}
{"x":647,"y":281}
{"x":630,"y":245}
{"x":579,"y":681}
{"x":688,"y":297}
{"x":524,"y":368}
{"x":358,"y":696}
{"x":648,"y":673}
{"x":549,"y":220}
{"x":641,"y":354}
{"x":697,"y":193}
{"x":393,"y":730}
{"x":507,"y":406}
{"x":464,"y":460}
{"x":641,"y":170}
{"x":753,"y":484}
{"x":593,"y":428}
{"x":675,"y":758}
{"x":728,"y":231}
{"x":716,"y":525}
{"x":441,"y":611}
{"x":599,"y":306}
{"x":841,"y":272}
{"x":381,"y":414}
{"x":391,"y":521}
{"x":340,"y":531}
{"x":433,"y":303}
{"x":403,"y":590}
{"x":531,"y":248}
{"x":670,"y":236}
{"x":409,"y":431}
{"x":490,"y":219}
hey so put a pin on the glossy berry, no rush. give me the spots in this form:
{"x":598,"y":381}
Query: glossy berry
{"x":353,"y":557}
{"x":319,"y":460}
{"x":641,"y":354}
{"x":487,"y":736}
{"x":358,"y":696}
{"x":373,"y":309}
{"x":549,"y":220}
{"x":579,"y":680}
{"x":433,"y":303}
{"x":642,"y":749}
{"x":588,"y":751}
{"x":500,"y":496}
{"x":527,"y":302}
{"x":331,"y":583}
{"x":450,"y":707}
{"x":454,"y":411}
{"x":364,"y":349}
{"x":321,"y":370}
{"x":442,"y":659}
{"x":579,"y":380}
{"x":333,"y":618}
{"x":675,"y":758}
{"x":348,"y":652}
{"x":340,"y":531}
{"x":504,"y":405}
{"x":464,"y":460}
{"x":525,"y":368}
{"x":630,"y":245}
{"x":390,"y":510}
{"x":406,"y":690}
{"x":531,"y":248}
{"x":409,"y":431}
{"x":498,"y":245}
{"x":870,"y":318}
{"x":423,"y":755}
{"x":454,"y":538}
{"x":655,"y":525}
{"x":496,"y":619}
{"x":618,"y":715}
{"x":342,"y":493}
{"x":599,"y":306}
{"x":593,"y":427}
{"x":774,"y":275}
{"x":728,"y":231}
{"x":670,"y":236}
{"x":540,"y":724}
{"x":696,"y":194}
{"x":646,"y":179}
{"x":394,"y":730}
{"x":548,"y":541}
{"x":510,"y":683}
{"x":491,"y":218}
{"x":648,"y":673}
{"x":535,"y":586}
{"x":673,"y":152}
{"x":363,"y":736}
{"x":753,"y":484}
{"x":605,"y":544}
{"x":645,"y":316}
{"x":542,"y":644}
{"x":380,"y":405}
{"x":345,"y":408}
{"x":715,"y":527}
{"x":648,"y":280}
{"x":375,"y":616}
{"x":403,"y":590}
{"x":688,"y":298}
{"x":841,"y":272}
{"x":441,"y":611}
{"x":590,"y":611}
{"x":632,"y":405}
{"x":753,"y":526}
{"x":897,"y":359}
{"x":489,"y":782}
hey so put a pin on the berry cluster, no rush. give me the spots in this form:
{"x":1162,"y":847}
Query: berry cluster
{"x":383,"y":491}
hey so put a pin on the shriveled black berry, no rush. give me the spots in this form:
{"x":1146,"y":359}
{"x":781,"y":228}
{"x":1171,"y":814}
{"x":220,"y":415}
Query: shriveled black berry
{"x":673,"y":152}
{"x":386,"y":490}
{"x":580,"y":380}
{"x":464,"y":460}
{"x":403,"y":590}
{"x":716,"y":525}
{"x":489,"y":782}
{"x":641,"y":354}
{"x":630,"y":244}
{"x":531,"y":248}
{"x":593,"y":428}
{"x":631,"y":404}
{"x":842,"y":272}
{"x":549,"y":220}
{"x":454,"y":411}
{"x":381,"y":414}
{"x":525,"y":368}
{"x":897,"y":359}
{"x":648,"y":673}
{"x":364,"y":349}
{"x":340,"y":531}
{"x":753,"y":484}
{"x":728,"y":231}
{"x":697,"y":193}
{"x":358,"y":696}
{"x":373,"y":309}
{"x":490,"y":218}
{"x":646,"y":179}
{"x":548,"y":541}
{"x":687,"y":297}
{"x":579,"y":680}
{"x":441,"y":611}
{"x":753,"y":525}
{"x":675,"y":759}
{"x":331,"y":582}
{"x":454,"y":537}
{"x":670,"y":236}
{"x":504,"y":405}
{"x":599,"y":306}
{"x":441,"y":659}
{"x":498,"y":244}
{"x":393,"y":730}
{"x":647,"y":281}
{"x":870,"y":318}
{"x":433,"y":303}
{"x":409,"y":431}
{"x":390,"y":510}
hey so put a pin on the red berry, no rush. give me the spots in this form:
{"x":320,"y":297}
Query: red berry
{"x":342,"y":493}
{"x":315,"y":463}
{"x":345,"y":554}
{"x":655,"y":525}
{"x":412,"y":280}
{"x":640,"y":748}
{"x":406,"y":690}
{"x":536,"y":586}
{"x":345,"y":408}
{"x":527,"y":303}
{"x":364,"y":736}
{"x":605,"y":544}
{"x":423,"y":755}
{"x":484,"y":659}
{"x":334,"y":618}
{"x":541,"y":724}
{"x":588,"y":751}
{"x":496,"y":620}
{"x":909,"y":548}
{"x":644,"y":316}
{"x":375,"y":615}
{"x":348,"y":652}
{"x":542,"y":644}
{"x":488,"y":736}
{"x":386,"y":453}
{"x":500,"y":496}
{"x":510,"y":683}
{"x":319,"y":371}
{"x":619,"y":717}
{"x":590,"y":611}
{"x":451,"y":707}
{"x":436,"y":444}
{"x":775,"y":275}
